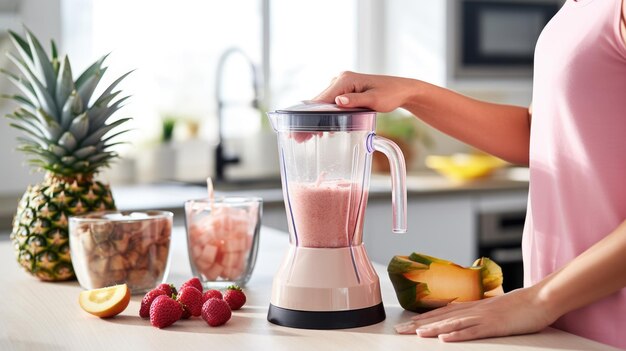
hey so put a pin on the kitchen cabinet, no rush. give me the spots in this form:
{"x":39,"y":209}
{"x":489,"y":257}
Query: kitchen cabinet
{"x":441,"y":226}
{"x":445,"y":225}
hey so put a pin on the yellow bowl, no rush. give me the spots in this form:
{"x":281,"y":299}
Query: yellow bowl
{"x":464,"y":167}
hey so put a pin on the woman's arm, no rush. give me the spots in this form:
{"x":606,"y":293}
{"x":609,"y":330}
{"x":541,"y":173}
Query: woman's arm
{"x":601,"y":270}
{"x":501,"y":130}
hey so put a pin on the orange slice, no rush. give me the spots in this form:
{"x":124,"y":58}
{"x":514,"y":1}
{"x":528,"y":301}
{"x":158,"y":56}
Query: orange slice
{"x":105,"y":302}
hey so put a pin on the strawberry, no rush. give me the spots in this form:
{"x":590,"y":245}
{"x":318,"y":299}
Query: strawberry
{"x":191,"y":299}
{"x":146,"y":302}
{"x":165,"y":311}
{"x":235,"y":297}
{"x":169,"y":289}
{"x":195,"y":282}
{"x":211,"y":293}
{"x":216,"y":312}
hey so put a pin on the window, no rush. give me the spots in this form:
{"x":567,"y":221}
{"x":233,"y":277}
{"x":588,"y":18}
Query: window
{"x":175,"y":48}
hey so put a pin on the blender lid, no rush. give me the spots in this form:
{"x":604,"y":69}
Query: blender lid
{"x":318,"y":107}
{"x":315,"y":116}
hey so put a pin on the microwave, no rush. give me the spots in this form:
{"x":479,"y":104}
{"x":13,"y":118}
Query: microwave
{"x":496,"y":38}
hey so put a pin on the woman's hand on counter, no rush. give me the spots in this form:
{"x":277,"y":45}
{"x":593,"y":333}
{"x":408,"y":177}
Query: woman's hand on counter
{"x":517,"y":312}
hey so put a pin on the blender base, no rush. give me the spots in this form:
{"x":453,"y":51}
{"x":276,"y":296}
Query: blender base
{"x":326,"y":319}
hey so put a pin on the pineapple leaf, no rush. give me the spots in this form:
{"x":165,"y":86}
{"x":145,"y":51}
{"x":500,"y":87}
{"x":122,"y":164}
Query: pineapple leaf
{"x":82,"y":166}
{"x":109,"y":90}
{"x":68,"y":160}
{"x":102,"y":156}
{"x":100,"y":116}
{"x":72,"y":106}
{"x":44,"y":99}
{"x":113,"y":136}
{"x":68,"y":141}
{"x":98,"y":134}
{"x":103,"y":101}
{"x":23,"y":49}
{"x":36,"y":162}
{"x":55,"y":53}
{"x":33,"y":135}
{"x":24,"y":86}
{"x":85,"y":152}
{"x":57,"y":150}
{"x":80,"y":126}
{"x":45,"y":71}
{"x":87,"y":88}
{"x":90,"y":72}
{"x":101,"y":107}
{"x":19,"y":98}
{"x":25,"y":142}
{"x":22,"y":46}
{"x":107,"y":146}
{"x":45,"y":155}
{"x":64,"y":82}
{"x":97,"y":165}
{"x":25,"y":112}
{"x":27,"y":121}
{"x":55,"y":61}
{"x":53,"y":127}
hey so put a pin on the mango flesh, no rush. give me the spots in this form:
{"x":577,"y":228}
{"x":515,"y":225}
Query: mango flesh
{"x":424,"y":282}
{"x":449,"y":282}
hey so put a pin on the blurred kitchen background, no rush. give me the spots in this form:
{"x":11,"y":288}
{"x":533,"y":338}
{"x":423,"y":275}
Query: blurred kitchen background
{"x":206,"y":71}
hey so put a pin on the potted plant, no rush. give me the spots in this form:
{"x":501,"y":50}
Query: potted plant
{"x":406,"y":131}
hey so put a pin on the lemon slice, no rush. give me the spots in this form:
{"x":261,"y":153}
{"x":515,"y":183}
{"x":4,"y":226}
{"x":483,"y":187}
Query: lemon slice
{"x":105,"y":302}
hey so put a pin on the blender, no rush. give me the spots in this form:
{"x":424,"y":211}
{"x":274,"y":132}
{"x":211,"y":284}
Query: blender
{"x":326,"y":280}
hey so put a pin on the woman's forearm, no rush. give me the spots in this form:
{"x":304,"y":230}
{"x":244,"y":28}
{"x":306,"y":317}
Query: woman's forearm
{"x":596,"y":273}
{"x":502,"y":130}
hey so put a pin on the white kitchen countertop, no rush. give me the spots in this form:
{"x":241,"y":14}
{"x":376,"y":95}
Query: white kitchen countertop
{"x":46,"y":316}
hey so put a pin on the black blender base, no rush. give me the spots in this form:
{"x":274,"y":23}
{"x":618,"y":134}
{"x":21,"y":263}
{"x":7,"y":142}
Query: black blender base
{"x":326,"y":320}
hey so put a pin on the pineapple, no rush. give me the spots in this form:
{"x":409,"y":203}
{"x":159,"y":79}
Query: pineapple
{"x":66,"y":135}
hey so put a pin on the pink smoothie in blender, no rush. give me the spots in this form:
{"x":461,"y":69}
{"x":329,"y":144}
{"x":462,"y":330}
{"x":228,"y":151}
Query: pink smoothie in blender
{"x":326,"y":213}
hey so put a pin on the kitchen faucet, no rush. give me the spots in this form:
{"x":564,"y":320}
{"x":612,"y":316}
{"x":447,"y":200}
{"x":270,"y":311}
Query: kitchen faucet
{"x":221,"y":159}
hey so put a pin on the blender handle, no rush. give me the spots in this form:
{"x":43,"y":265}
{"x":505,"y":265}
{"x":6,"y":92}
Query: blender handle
{"x":398,"y":177}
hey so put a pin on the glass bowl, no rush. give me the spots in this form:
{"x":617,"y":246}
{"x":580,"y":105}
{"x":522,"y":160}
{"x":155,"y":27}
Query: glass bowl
{"x":117,"y":247}
{"x":223,"y":239}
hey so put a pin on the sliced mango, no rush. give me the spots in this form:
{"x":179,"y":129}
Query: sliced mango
{"x":423,"y":282}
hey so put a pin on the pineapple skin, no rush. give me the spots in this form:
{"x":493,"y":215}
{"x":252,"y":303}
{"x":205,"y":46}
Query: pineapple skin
{"x":40,"y":227}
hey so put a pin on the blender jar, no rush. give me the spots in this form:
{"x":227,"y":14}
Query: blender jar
{"x":325,"y":155}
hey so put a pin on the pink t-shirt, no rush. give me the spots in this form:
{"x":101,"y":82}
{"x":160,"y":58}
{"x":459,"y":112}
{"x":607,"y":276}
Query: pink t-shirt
{"x":578,"y":153}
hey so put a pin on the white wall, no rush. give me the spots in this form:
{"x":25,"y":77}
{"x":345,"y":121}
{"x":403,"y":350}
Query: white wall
{"x":44,"y":19}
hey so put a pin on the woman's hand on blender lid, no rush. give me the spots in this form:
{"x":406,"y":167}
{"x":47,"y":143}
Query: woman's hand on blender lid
{"x":379,"y":93}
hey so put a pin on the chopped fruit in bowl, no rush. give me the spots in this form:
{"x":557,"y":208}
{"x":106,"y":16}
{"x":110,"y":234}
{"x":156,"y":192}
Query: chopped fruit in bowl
{"x":105,"y":302}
